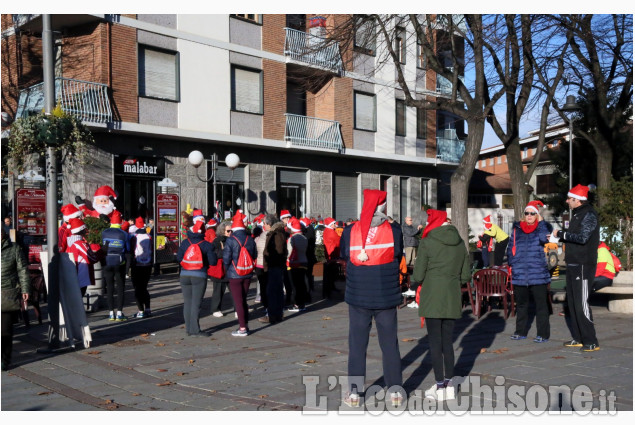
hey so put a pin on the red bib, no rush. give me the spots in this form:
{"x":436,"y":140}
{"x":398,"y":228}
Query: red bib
{"x":380,"y":245}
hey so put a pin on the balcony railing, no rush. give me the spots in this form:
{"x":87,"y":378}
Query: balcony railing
{"x":444,"y":86}
{"x":318,"y":51}
{"x":313,"y":132}
{"x":449,"y":147}
{"x":85,"y":100}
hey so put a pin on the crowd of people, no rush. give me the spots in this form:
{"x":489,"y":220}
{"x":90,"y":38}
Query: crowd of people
{"x":372,"y":252}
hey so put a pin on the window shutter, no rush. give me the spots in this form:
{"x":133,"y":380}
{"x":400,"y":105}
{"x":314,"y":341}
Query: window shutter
{"x":364,"y":111}
{"x":158,"y":72}
{"x":247,"y":91}
{"x":345,"y":197}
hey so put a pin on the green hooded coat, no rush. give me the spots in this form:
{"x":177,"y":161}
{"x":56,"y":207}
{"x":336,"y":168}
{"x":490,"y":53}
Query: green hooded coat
{"x":15,"y":276}
{"x":442,"y":265}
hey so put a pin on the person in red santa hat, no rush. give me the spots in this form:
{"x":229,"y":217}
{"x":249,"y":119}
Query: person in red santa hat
{"x":285,"y":216}
{"x":297,"y":264}
{"x":501,"y":238}
{"x":117,"y":246}
{"x":84,"y":255}
{"x":530,"y":274}
{"x":331,"y":241}
{"x":103,"y":203}
{"x":373,"y":248}
{"x":63,"y":232}
{"x":442,"y":265}
{"x":581,"y":240}
{"x":239,"y":280}
{"x":210,"y":230}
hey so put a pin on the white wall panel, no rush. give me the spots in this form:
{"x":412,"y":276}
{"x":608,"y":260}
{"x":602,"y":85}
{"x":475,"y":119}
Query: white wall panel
{"x":208,"y":25}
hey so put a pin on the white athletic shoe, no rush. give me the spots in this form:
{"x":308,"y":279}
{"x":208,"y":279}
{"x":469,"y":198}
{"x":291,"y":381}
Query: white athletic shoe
{"x":413,"y":305}
{"x":433,"y":392}
{"x":218,"y":314}
{"x":409,"y":293}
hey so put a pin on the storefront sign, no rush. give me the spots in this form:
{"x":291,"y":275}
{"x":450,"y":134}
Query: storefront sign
{"x":31,"y":211}
{"x":139,"y":166}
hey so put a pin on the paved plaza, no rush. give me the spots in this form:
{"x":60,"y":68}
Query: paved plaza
{"x":297,"y":365}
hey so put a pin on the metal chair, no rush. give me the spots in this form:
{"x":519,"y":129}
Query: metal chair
{"x":491,"y":283}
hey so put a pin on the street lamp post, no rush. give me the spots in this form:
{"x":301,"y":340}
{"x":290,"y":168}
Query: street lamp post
{"x":196,"y":158}
{"x":570,"y":107}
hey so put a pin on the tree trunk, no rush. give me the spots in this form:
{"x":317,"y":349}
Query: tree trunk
{"x":517,"y":177}
{"x":604,"y":171}
{"x":461,"y":177}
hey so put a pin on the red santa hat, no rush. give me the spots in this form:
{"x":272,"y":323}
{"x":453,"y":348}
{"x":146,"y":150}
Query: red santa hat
{"x":197,"y":226}
{"x":237,"y":221}
{"x":105,"y":191}
{"x":115,"y":218}
{"x":284,"y":214}
{"x":305,"y":221}
{"x":374,"y":201}
{"x":436,"y":218}
{"x":139,"y":223}
{"x":197,"y":215}
{"x":294,"y":225}
{"x":487,"y":221}
{"x":70,"y":211}
{"x":534,"y":206}
{"x":330,"y":222}
{"x":76,"y":225}
{"x":579,"y":192}
{"x":211,"y":223}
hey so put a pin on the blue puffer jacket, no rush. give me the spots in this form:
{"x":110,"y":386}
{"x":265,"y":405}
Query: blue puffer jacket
{"x":372,"y":287}
{"x":529,"y":265}
{"x":232,"y":249}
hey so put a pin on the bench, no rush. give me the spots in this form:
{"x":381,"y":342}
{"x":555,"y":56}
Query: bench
{"x":620,"y":293}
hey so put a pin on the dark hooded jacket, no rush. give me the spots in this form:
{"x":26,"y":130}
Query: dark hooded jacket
{"x":442,"y":265}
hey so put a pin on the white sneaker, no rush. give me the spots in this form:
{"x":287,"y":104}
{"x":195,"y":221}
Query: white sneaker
{"x":413,"y":305}
{"x":449,"y":391}
{"x":409,"y":293}
{"x":351,"y":400}
{"x":236,"y":314}
{"x":396,"y":399}
{"x":433,"y":392}
{"x":217,"y":314}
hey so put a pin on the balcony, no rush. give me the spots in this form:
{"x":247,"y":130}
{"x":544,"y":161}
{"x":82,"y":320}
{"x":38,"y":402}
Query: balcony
{"x":449,"y":147}
{"x":59,"y":21}
{"x":444,"y":86}
{"x":85,"y":100}
{"x":317,"y":51}
{"x":312,"y":132}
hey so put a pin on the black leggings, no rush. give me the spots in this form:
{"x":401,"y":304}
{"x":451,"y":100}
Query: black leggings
{"x":441,"y":349}
{"x":114,"y":275}
{"x":499,"y":252}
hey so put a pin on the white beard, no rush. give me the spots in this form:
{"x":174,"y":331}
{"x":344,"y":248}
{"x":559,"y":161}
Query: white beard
{"x":104,"y":209}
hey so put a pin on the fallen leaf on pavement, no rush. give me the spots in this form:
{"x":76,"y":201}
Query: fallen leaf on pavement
{"x":558,"y":357}
{"x":136,"y":394}
{"x":94,"y":352}
{"x":45,"y":393}
{"x":483,"y":350}
{"x":160,"y":344}
{"x":320,"y":355}
{"x":145,"y":335}
{"x":106,"y":402}
{"x":263,"y":396}
{"x":262,"y":361}
{"x":162,"y":370}
{"x":326,"y":318}
{"x":407,"y":339}
{"x":190,"y":361}
{"x":163,"y":384}
{"x":310,"y":361}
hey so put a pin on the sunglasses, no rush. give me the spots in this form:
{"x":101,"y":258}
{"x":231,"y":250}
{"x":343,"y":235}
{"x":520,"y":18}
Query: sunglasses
{"x":530,"y":213}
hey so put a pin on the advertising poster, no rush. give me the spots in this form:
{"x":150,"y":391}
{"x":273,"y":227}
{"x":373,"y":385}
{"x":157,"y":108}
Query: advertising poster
{"x":31,"y":211}
{"x":167,"y":226}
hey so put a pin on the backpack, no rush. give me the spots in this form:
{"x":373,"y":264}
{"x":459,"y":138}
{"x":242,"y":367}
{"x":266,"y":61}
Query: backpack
{"x":143,"y":250}
{"x":193,"y":258}
{"x":245,"y":264}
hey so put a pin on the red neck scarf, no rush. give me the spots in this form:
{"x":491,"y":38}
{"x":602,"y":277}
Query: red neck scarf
{"x":528,"y":228}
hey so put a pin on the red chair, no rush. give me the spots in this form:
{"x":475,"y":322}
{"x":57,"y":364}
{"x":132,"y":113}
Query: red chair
{"x":491,"y":283}
{"x":468,"y":289}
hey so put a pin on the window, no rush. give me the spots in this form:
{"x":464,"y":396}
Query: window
{"x":365,"y":37}
{"x":421,"y":57}
{"x":505,"y":159}
{"x":546,"y":183}
{"x":554,"y":144}
{"x":425,"y":192}
{"x":491,"y":161}
{"x":365,"y":111}
{"x":400,"y":117}
{"x":246,"y":90}
{"x":483,"y":163}
{"x":249,"y":17}
{"x":499,"y":159}
{"x":525,"y":152}
{"x":400,"y":44}
{"x":476,"y":166}
{"x":422,"y":123}
{"x":158,"y":73}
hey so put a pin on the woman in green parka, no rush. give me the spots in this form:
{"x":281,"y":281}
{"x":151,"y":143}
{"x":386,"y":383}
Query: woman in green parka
{"x":442,"y":265}
{"x":16,"y":287}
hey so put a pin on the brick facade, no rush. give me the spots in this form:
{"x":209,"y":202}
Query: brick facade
{"x":275,"y":99}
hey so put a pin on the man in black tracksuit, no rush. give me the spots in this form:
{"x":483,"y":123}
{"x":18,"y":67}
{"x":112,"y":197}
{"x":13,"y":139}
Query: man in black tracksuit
{"x":581,"y":240}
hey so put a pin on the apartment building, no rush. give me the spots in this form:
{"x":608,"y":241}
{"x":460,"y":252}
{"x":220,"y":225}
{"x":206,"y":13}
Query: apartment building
{"x":490,"y":188}
{"x":313,"y":128}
